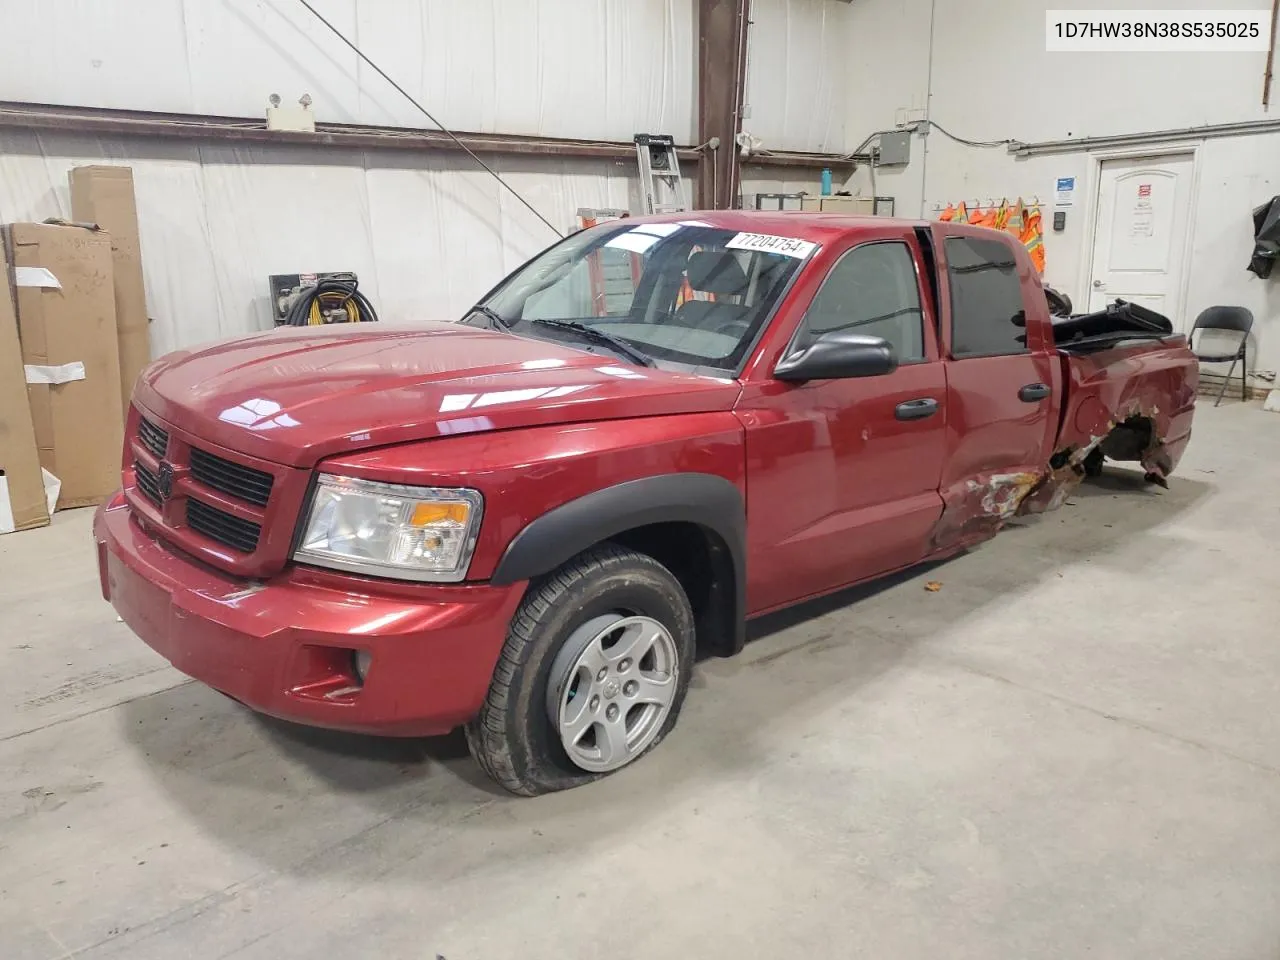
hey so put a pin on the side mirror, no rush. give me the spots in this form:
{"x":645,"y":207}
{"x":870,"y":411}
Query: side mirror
{"x":839,"y":355}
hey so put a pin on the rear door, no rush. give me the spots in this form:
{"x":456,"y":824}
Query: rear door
{"x":842,"y":475}
{"x":1004,"y":383}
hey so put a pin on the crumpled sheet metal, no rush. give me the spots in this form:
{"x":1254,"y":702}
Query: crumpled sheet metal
{"x":988,"y":502}
{"x":982,"y":506}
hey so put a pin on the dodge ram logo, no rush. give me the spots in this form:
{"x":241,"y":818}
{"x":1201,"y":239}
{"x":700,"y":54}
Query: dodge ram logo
{"x":164,"y":480}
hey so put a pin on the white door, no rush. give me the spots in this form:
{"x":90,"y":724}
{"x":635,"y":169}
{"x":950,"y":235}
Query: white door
{"x":1140,"y":234}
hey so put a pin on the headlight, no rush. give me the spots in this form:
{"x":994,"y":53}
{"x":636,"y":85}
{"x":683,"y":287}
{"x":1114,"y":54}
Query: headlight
{"x":389,"y":530}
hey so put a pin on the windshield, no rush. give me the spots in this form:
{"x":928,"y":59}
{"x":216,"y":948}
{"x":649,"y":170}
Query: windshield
{"x":686,"y":293}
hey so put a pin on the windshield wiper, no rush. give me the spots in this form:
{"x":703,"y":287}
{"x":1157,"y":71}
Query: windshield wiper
{"x":492,"y":315}
{"x":599,"y":336}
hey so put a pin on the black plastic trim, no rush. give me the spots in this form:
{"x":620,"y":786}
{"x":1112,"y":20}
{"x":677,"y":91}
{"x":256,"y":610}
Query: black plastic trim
{"x":704,"y":499}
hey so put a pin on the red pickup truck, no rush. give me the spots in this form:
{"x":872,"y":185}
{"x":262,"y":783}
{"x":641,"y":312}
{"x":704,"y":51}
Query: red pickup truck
{"x":531,"y":521}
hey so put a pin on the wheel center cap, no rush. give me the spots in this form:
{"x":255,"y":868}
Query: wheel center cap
{"x":611,"y":689}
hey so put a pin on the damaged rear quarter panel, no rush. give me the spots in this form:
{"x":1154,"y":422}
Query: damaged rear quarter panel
{"x":1150,"y":381}
{"x":1133,"y":402}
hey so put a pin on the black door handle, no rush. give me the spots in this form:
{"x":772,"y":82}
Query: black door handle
{"x":916,"y":409}
{"x":1033,"y":392}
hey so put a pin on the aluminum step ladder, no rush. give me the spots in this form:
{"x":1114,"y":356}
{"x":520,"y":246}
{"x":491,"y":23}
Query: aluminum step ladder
{"x":614,"y":274}
{"x":660,"y":181}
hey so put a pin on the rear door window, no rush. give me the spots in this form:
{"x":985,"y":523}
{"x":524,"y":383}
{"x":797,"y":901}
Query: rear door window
{"x":988,"y":317}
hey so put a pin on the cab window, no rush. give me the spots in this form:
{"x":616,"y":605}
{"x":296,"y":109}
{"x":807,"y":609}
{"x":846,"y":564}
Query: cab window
{"x":872,"y":290}
{"x":988,"y":317}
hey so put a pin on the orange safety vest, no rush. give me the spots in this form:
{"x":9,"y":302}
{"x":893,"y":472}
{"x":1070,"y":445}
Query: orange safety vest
{"x":1017,"y":215}
{"x":948,"y":214}
{"x":983,"y":218}
{"x":1032,"y":237}
{"x":1002,"y":216}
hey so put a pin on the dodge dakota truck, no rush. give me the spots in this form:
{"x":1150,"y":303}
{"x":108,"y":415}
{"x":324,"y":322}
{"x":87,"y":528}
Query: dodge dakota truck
{"x":529,"y":522}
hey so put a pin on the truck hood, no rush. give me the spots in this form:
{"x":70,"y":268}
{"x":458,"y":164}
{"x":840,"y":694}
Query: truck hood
{"x":297,"y":395}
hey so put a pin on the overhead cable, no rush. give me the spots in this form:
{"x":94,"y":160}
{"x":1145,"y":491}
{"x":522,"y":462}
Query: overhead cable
{"x":443,"y":129}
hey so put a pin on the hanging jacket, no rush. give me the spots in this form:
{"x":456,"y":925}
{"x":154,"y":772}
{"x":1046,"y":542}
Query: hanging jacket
{"x":948,"y":214}
{"x":1266,"y":238}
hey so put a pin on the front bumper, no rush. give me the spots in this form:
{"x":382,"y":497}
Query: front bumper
{"x":285,"y":646}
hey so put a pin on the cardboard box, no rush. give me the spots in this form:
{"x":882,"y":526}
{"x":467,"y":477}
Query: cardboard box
{"x":22,"y":497}
{"x":67,"y":325}
{"x":104,"y":195}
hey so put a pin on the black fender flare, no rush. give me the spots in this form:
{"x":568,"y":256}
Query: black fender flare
{"x":703,"y":499}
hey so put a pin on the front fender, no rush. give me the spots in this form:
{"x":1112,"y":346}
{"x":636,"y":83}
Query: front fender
{"x":708,"y":501}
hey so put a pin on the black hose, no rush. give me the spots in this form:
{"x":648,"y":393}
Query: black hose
{"x":329,"y":295}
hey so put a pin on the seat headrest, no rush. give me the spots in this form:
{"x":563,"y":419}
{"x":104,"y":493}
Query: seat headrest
{"x":711,"y":272}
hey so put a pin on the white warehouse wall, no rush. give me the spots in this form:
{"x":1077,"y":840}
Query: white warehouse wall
{"x":428,"y":233}
{"x":990,"y":78}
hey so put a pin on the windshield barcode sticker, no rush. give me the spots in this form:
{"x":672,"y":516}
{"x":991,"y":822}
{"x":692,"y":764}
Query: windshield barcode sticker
{"x":764,"y":243}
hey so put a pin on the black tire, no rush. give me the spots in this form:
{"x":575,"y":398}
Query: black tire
{"x":513,"y":738}
{"x":1093,"y":463}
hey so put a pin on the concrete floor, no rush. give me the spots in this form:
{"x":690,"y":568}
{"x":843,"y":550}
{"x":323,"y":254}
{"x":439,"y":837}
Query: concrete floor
{"x":1072,"y":749}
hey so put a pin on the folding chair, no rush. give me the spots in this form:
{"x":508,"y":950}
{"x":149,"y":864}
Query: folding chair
{"x":1236,"y":319}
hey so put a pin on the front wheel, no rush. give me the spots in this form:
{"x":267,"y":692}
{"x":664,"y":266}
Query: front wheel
{"x":592,"y":676}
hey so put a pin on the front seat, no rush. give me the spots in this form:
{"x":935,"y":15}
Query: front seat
{"x":720,"y":274}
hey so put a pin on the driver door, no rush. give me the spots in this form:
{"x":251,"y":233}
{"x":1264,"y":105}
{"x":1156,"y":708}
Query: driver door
{"x":842,"y":475}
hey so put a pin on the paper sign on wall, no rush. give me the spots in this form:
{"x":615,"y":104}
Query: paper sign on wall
{"x":1065,"y":192}
{"x":1143,"y":221}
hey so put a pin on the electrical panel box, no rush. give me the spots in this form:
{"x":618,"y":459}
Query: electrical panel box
{"x":895,"y":149}
{"x":286,"y":287}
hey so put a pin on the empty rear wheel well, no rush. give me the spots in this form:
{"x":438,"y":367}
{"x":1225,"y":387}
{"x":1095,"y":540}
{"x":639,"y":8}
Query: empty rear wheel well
{"x":1130,"y":439}
{"x":701,"y":561}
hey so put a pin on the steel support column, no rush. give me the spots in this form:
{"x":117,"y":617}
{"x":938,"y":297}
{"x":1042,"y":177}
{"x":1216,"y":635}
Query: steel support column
{"x":722,"y":79}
